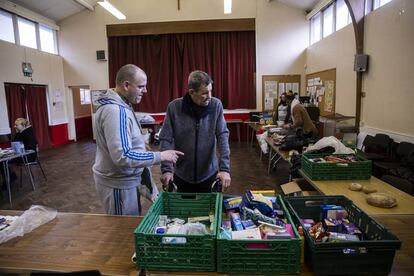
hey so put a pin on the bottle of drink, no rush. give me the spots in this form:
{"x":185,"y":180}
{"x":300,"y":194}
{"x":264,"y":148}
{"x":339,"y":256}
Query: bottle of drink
{"x":302,"y":244}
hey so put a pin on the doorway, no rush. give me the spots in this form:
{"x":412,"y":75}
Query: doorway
{"x":81,"y":98}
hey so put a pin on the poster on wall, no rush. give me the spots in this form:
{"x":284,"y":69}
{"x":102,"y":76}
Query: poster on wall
{"x":329,"y":96}
{"x":58,"y":100}
{"x":295,"y":87}
{"x":94,"y":97}
{"x":270,"y":94}
{"x":281,"y":88}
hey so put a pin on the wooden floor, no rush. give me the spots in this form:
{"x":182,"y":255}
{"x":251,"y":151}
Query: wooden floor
{"x":70,"y":187}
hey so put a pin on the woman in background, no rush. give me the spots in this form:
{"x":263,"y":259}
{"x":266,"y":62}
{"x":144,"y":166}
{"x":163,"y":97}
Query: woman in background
{"x":282,"y":111}
{"x":24,"y":134}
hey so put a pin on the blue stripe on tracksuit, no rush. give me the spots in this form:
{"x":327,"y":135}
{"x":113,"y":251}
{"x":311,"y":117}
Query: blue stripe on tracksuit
{"x":104,"y":101}
{"x":124,"y":140}
{"x":117,"y":202}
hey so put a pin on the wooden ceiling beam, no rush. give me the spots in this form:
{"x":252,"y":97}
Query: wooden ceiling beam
{"x":196,"y":26}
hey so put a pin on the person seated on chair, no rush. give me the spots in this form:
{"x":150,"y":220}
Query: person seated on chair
{"x":301,"y":118}
{"x":24,"y":134}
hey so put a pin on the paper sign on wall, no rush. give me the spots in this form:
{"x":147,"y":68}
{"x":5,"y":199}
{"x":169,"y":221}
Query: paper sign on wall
{"x":271,"y":87}
{"x":281,"y":88}
{"x":268,"y":103}
{"x":295,"y":87}
{"x":329,"y":96}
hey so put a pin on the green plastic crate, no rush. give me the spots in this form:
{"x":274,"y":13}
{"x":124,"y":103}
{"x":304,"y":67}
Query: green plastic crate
{"x":360,"y":169}
{"x":274,"y":256}
{"x":374,"y":255}
{"x":199,"y":251}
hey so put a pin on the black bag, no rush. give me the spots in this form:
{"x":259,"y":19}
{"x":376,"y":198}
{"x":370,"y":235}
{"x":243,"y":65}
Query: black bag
{"x":294,"y":142}
{"x":295,"y":165}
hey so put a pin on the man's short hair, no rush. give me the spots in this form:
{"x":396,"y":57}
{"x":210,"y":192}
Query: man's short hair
{"x":198,"y":78}
{"x":127,"y":73}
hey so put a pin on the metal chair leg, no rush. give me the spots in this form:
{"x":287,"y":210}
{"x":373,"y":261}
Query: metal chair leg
{"x":21,"y":178}
{"x":43,"y":172}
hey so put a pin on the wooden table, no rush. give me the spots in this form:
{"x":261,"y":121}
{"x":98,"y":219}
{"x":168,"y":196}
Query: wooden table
{"x":255,"y":126}
{"x":237,"y":122}
{"x":340,"y":187}
{"x":275,"y":154}
{"x":5,"y":162}
{"x":74,"y":242}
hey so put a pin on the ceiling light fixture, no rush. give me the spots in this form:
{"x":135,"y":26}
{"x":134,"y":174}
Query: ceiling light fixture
{"x":114,"y":11}
{"x":227,"y":6}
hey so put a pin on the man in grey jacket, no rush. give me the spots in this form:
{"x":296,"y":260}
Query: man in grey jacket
{"x":195,"y":125}
{"x":121,"y":156}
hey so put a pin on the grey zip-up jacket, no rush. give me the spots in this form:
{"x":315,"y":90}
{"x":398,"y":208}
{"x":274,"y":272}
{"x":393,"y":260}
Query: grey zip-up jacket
{"x":120,"y":148}
{"x":180,"y":131}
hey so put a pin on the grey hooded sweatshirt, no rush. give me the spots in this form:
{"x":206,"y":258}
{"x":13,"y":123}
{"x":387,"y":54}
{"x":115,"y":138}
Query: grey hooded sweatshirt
{"x":120,"y":148}
{"x":198,"y":138}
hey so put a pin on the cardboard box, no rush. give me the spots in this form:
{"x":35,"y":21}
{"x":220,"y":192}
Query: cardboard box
{"x":293,"y":189}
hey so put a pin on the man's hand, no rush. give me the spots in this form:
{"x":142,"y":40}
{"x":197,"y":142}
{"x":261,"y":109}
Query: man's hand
{"x":170,"y":155}
{"x":225,"y":179}
{"x":165,"y":179}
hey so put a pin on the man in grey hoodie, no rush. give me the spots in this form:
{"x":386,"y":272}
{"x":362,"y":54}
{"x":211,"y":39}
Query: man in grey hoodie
{"x":195,"y":125}
{"x":121,"y":156}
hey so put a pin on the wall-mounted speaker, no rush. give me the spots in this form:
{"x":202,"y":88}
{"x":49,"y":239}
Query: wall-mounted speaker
{"x":361,"y":63}
{"x":100,"y":55}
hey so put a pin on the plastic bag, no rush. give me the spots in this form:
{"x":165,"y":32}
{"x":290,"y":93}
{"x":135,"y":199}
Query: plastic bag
{"x":262,"y":142}
{"x":148,"y":188}
{"x":36,"y":216}
{"x":331,"y":141}
{"x":192,"y":228}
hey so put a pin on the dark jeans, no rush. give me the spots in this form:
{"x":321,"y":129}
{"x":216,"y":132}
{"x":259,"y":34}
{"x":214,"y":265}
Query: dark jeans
{"x":186,"y":187}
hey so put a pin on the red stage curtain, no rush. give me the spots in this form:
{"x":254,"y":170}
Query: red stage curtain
{"x":229,"y":58}
{"x":37,"y":111}
{"x":15,"y":98}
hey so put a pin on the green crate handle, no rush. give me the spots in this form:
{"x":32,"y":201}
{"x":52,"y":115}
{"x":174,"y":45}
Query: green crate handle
{"x":247,"y":246}
{"x":189,"y":196}
{"x":342,"y":165}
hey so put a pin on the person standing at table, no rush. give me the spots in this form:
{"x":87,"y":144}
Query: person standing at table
{"x":195,"y":125}
{"x":282,"y":110}
{"x":121,"y":158}
{"x":300,"y":118}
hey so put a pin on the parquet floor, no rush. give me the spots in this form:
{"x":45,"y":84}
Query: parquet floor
{"x":70,"y":187}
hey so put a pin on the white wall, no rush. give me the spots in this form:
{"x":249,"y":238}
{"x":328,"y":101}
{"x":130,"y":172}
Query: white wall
{"x":281,"y":35}
{"x":47,"y":70}
{"x":337,"y":51}
{"x":389,"y":82}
